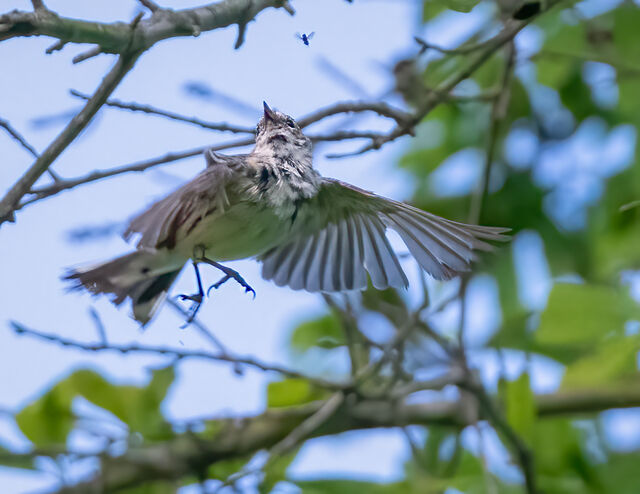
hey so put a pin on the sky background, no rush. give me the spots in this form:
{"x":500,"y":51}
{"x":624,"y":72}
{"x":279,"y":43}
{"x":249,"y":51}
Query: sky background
{"x":363,"y":39}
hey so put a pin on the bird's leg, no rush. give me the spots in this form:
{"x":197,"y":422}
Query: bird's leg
{"x":196,"y":298}
{"x":228,"y":274}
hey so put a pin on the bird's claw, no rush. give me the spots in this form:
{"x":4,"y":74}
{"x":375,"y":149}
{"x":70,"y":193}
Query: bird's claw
{"x":231,"y":274}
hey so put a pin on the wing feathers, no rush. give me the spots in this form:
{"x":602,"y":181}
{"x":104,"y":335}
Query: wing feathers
{"x":350,"y":241}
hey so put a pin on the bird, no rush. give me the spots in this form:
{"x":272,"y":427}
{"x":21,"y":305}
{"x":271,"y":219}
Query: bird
{"x":309,"y":232}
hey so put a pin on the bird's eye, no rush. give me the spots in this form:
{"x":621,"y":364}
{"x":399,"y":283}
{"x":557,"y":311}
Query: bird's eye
{"x":291,"y":123}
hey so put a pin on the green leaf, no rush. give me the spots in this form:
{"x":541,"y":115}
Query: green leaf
{"x":458,"y":5}
{"x":584,"y":314}
{"x":222,"y":470}
{"x":341,"y":486}
{"x":520,"y":405}
{"x":324,"y":332}
{"x":49,"y":419}
{"x":431,"y":10}
{"x":612,"y":360}
{"x":387,"y":302}
{"x":276,"y":472}
{"x":292,"y":392}
{"x":152,"y":488}
{"x":16,"y":460}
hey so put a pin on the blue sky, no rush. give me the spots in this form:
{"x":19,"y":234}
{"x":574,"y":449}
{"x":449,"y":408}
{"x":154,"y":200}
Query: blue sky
{"x":363,"y":39}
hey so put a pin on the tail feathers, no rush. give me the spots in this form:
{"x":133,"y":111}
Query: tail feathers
{"x":139,"y":276}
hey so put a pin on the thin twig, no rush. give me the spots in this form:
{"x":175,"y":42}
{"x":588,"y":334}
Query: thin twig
{"x":150,"y":110}
{"x":401,"y":335}
{"x":382,"y":109}
{"x":139,"y":166}
{"x":152,"y":6}
{"x":460,"y":50}
{"x":11,"y":200}
{"x":18,"y":137}
{"x":350,"y":327}
{"x":176,"y":353}
{"x":442,"y":92}
{"x":291,"y":440}
{"x":86,"y":55}
{"x":204,"y":331}
{"x":102,"y":334}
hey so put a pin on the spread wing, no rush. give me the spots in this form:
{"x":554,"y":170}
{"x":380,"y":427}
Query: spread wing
{"x":177,"y":214}
{"x":344,"y":238}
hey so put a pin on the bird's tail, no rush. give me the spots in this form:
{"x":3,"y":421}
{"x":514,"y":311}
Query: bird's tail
{"x":143,"y":276}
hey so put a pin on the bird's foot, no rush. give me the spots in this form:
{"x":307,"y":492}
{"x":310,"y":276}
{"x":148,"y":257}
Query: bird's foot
{"x":228,"y":275}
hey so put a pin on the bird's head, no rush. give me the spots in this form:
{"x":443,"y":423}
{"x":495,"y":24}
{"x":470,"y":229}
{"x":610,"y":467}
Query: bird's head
{"x":280,"y":134}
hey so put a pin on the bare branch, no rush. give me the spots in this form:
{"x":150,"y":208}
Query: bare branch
{"x":442,"y":92}
{"x":18,"y":137}
{"x":136,"y":107}
{"x":115,"y":38}
{"x":152,"y":6}
{"x":140,"y":166}
{"x":176,"y":353}
{"x":11,"y":200}
{"x":460,"y":50}
{"x":382,"y":109}
{"x":38,"y":5}
{"x":93,"y":52}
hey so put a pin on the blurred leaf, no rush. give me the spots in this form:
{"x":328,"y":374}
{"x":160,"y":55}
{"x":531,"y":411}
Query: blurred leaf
{"x":611,"y":360}
{"x":436,"y":436}
{"x":276,"y":472}
{"x":458,"y":5}
{"x":222,"y":470}
{"x":431,"y":9}
{"x":520,"y":405}
{"x":341,"y":486}
{"x":152,"y":488}
{"x":49,"y":419}
{"x":15,"y":460}
{"x":292,"y":392}
{"x":387,"y":302}
{"x":560,"y":460}
{"x":626,"y":36}
{"x":585,"y":314}
{"x":323,"y":332}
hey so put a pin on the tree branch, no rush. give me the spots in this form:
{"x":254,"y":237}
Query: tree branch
{"x":148,"y":109}
{"x":237,"y":437}
{"x":114,"y":37}
{"x":10,"y":201}
{"x":221,"y":356}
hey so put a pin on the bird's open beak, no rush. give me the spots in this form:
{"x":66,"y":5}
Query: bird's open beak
{"x":269,"y":114}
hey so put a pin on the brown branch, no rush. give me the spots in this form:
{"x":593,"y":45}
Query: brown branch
{"x":114,"y":37}
{"x":470,"y":385}
{"x":239,"y":437}
{"x":152,"y":6}
{"x":11,"y":200}
{"x":442,"y":92}
{"x":221,"y":356}
{"x":140,"y":166}
{"x":60,"y":185}
{"x":148,"y":109}
{"x":382,"y":109}
{"x":18,"y":137}
{"x":460,"y":50}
